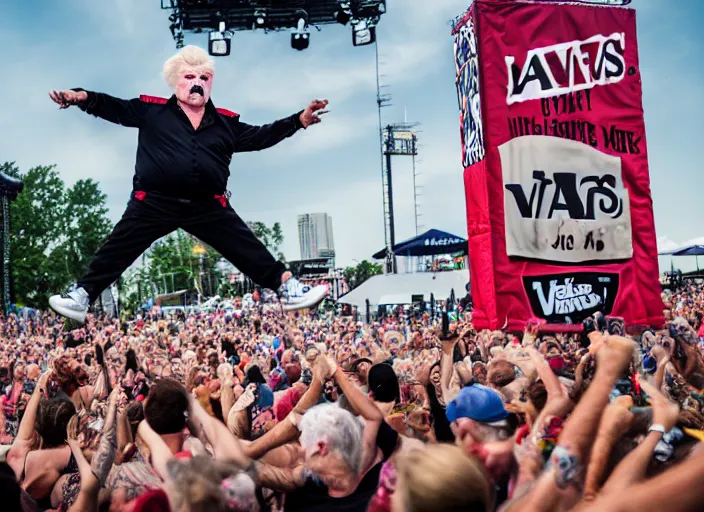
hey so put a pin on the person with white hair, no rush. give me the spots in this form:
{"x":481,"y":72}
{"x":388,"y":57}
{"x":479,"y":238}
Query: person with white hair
{"x":184,"y":151}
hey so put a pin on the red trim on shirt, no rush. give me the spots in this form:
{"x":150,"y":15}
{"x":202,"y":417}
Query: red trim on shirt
{"x":153,"y":99}
{"x":228,"y":113}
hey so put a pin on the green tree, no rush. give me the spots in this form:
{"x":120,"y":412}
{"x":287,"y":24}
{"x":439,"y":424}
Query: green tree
{"x":86,"y":226}
{"x":272,"y":237}
{"x":54,"y":232}
{"x":356,"y":275}
{"x":36,"y":230}
{"x":171,"y":263}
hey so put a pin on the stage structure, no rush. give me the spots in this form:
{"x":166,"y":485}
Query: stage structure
{"x":321,"y":271}
{"x":109,"y":301}
{"x":398,"y":140}
{"x":10,"y":188}
{"x":221,"y":18}
{"x":559,"y":210}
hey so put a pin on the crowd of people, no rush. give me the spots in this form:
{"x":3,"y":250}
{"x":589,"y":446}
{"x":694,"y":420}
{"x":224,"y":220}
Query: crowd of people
{"x":265,"y":410}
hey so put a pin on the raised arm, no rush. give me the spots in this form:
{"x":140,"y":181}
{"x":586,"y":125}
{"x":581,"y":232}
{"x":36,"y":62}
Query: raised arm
{"x":107,"y":447}
{"x":286,"y":431}
{"x":256,"y":138}
{"x":160,"y":452}
{"x":25,"y":434}
{"x":129,"y":113}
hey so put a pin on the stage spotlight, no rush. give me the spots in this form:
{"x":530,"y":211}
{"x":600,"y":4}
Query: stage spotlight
{"x":220,"y":43}
{"x":300,"y":40}
{"x":363,"y":34}
{"x":259,"y":19}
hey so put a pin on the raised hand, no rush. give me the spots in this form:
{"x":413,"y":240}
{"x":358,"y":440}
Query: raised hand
{"x":311,"y":115}
{"x":67,"y":98}
{"x":665,"y":413}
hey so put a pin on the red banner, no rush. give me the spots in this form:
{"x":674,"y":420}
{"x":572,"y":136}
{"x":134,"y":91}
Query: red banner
{"x":559,"y":209}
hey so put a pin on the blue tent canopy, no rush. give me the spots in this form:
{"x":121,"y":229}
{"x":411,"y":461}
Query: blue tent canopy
{"x":431,"y":243}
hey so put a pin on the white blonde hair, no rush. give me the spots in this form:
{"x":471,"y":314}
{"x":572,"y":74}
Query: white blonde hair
{"x":338,"y":428}
{"x":191,"y":57}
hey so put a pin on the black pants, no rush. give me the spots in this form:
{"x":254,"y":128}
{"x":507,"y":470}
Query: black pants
{"x":154,"y":216}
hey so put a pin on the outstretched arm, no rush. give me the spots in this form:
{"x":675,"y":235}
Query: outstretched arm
{"x":129,"y":113}
{"x":256,"y":138}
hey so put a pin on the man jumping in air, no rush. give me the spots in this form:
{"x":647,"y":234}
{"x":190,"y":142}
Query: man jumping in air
{"x":183,"y":157}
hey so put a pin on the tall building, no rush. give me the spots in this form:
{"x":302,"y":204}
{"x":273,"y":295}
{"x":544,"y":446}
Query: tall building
{"x":315,"y":236}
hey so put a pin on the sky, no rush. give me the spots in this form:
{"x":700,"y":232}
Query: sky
{"x":119,"y":47}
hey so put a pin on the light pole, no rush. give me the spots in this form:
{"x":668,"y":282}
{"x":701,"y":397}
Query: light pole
{"x":199,"y":250}
{"x":9,"y":190}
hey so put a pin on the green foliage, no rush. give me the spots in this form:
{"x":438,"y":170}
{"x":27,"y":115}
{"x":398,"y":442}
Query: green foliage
{"x":172,"y":263}
{"x":272,"y":237}
{"x":356,"y":275}
{"x":54,"y":233}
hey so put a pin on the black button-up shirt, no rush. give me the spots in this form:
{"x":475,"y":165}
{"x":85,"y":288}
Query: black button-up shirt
{"x":177,"y":160}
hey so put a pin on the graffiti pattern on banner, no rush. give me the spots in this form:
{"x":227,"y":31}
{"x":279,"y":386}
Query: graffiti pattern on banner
{"x":562,"y":77}
{"x":564,"y":202}
{"x":567,"y":67}
{"x":570,"y":298}
{"x":467,"y":82}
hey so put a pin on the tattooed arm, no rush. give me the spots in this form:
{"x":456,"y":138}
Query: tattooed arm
{"x":280,"y":479}
{"x":124,"y":433}
{"x":105,"y":455}
{"x":87,"y":499}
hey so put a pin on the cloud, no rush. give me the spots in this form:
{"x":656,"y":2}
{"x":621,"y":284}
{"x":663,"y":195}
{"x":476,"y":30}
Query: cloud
{"x":332,"y":133}
{"x":665,"y":244}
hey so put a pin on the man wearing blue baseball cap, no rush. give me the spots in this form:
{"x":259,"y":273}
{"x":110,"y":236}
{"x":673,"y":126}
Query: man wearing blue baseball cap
{"x":478,"y":403}
{"x":484,"y":428}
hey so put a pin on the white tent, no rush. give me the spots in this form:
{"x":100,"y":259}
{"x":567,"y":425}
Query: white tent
{"x":391,"y":289}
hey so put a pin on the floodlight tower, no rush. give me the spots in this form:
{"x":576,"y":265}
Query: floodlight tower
{"x":395,"y":139}
{"x":399,"y":139}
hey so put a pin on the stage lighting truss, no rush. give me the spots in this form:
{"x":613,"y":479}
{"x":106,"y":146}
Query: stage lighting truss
{"x":197,"y":16}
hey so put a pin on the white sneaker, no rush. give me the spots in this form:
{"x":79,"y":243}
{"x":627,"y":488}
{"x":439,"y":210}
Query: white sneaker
{"x":73,"y":305}
{"x":296,"y":295}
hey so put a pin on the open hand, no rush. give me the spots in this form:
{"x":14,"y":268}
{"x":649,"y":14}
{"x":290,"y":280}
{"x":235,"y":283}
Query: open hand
{"x":67,"y":98}
{"x":311,"y":115}
{"x":665,"y":413}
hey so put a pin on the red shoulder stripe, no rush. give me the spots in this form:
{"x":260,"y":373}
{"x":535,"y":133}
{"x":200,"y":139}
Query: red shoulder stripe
{"x":228,"y":113}
{"x":153,"y":99}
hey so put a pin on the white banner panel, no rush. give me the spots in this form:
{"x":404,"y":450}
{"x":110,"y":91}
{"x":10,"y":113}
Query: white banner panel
{"x":564,"y":201}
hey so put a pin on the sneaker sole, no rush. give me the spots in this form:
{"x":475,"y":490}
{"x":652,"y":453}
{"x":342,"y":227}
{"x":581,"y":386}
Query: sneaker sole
{"x":76,"y":316}
{"x":312,"y":298}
